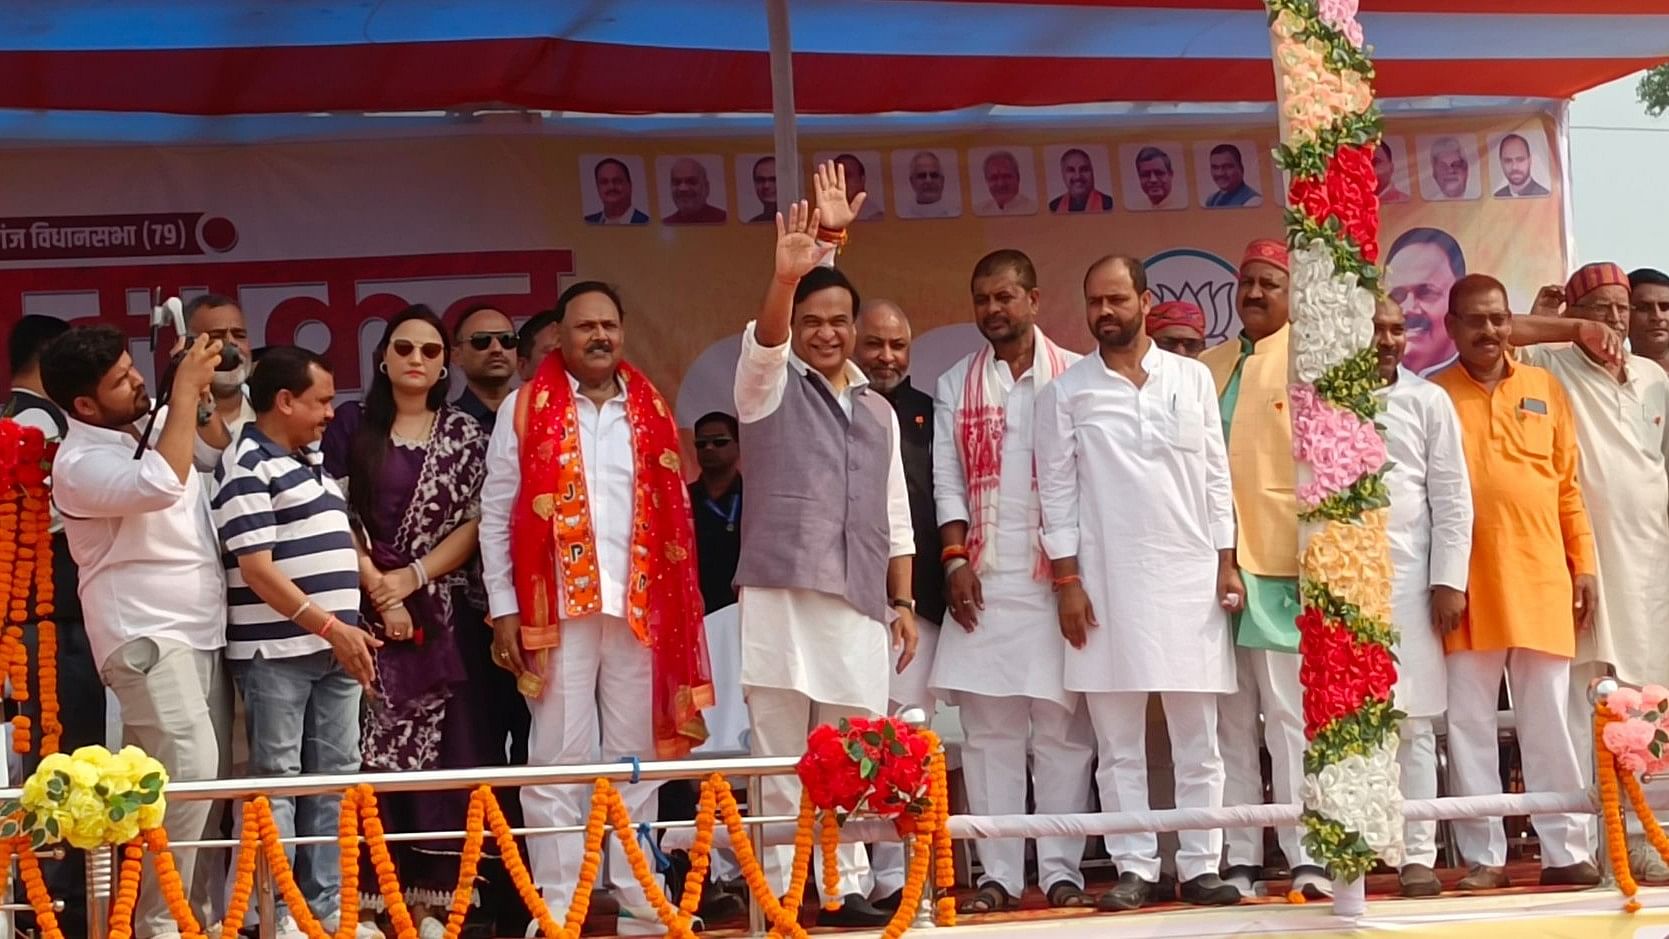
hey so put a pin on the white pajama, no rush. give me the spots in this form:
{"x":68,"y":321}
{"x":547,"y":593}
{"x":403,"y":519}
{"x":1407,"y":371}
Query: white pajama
{"x":994,"y":767}
{"x":1540,"y":685}
{"x":781,"y":719}
{"x":1120,"y":721}
{"x":908,"y":690}
{"x":1268,"y":684}
{"x":595,"y":706}
{"x":1417,"y":756}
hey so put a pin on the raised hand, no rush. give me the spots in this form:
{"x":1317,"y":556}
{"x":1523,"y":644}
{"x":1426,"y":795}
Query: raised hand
{"x":1550,"y":301}
{"x":829,"y":185}
{"x":797,"y":248}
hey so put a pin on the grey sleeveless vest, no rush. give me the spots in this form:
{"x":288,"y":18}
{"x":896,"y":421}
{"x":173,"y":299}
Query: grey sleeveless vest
{"x":816,"y":517}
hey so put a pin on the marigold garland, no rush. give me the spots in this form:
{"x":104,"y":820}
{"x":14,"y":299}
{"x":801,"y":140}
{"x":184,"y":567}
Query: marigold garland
{"x":127,"y":891}
{"x":831,"y":862}
{"x":258,"y":834}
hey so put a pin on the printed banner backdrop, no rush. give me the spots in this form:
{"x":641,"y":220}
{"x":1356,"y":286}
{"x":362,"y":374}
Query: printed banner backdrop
{"x":320,"y":242}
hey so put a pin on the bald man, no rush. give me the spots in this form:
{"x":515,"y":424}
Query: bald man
{"x":690,"y":191}
{"x":883,"y":354}
{"x":1002,"y":185}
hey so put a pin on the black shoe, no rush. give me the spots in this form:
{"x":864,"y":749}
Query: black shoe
{"x":1132,"y":893}
{"x":891,"y":901}
{"x":854,"y":911}
{"x":1209,"y":890}
{"x":719,"y":905}
{"x":1311,"y":873}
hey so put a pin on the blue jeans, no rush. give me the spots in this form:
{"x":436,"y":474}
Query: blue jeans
{"x":303,"y":716}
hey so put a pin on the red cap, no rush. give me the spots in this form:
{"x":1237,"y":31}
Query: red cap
{"x":1176,"y":313}
{"x":1590,"y":277}
{"x":1269,"y":251}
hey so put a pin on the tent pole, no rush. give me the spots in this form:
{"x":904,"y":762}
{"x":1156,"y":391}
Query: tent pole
{"x":782,"y":103}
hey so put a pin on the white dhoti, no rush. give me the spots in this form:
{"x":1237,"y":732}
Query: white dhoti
{"x":1539,"y":684}
{"x":781,"y":719}
{"x":594,"y":707}
{"x":1267,"y":684}
{"x":1417,"y":757}
{"x":1062,"y":748}
{"x":808,"y":658}
{"x":907,"y":690}
{"x":1120,"y":720}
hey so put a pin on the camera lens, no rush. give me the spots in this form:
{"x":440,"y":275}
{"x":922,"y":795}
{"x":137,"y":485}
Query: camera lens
{"x":230,"y":359}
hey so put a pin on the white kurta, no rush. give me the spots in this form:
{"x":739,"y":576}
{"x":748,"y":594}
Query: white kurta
{"x":1017,"y":648}
{"x":1430,"y":530}
{"x":1622,"y":440}
{"x":1135,"y":483}
{"x":804,"y":640}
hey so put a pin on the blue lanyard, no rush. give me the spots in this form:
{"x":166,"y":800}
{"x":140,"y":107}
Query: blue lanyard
{"x":729,"y":515}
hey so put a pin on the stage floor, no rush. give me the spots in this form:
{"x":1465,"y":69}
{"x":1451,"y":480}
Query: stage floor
{"x":1517,"y":913}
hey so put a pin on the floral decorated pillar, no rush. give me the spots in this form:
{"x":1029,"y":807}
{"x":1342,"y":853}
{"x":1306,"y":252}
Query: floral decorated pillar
{"x":1329,"y":128}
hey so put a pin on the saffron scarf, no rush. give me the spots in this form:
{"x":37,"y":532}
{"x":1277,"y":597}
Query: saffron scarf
{"x":981,"y":424}
{"x":551,"y":536}
{"x":1093,"y":205}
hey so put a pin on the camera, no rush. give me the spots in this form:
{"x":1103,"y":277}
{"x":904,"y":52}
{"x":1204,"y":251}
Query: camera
{"x":230,"y":357}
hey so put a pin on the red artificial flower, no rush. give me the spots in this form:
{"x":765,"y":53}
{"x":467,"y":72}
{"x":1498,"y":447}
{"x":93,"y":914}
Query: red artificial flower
{"x":1309,"y":195}
{"x":876,"y":766}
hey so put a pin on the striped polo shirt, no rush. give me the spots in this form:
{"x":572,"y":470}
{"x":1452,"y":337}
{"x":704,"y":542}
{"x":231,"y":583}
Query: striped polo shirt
{"x":268,"y":498}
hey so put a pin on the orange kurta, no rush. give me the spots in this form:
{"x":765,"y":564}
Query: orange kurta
{"x":1531,"y":532}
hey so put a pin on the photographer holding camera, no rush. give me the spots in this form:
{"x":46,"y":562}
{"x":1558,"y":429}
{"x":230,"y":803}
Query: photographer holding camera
{"x":153,"y":587}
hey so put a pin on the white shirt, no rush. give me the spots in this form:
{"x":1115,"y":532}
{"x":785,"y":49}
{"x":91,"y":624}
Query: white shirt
{"x":144,"y":541}
{"x":1622,"y":437}
{"x":1430,"y":530}
{"x":1021,"y":204}
{"x":606,"y":448}
{"x":1134,"y":482}
{"x":1016,"y":649}
{"x":804,"y":640}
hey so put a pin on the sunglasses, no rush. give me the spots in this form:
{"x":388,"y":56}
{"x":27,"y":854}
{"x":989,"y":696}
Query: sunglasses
{"x":704,"y":443}
{"x":480,"y":342}
{"x":405,"y":347}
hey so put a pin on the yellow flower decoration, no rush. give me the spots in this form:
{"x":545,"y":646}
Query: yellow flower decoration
{"x":1353,"y":559}
{"x":90,"y":798}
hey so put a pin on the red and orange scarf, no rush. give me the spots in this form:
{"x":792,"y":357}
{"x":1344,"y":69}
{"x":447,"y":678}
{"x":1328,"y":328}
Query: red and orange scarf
{"x":551,"y":535}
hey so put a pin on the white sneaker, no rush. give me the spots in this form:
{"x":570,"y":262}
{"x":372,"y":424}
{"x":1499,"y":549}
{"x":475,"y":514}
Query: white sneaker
{"x":431,"y":928}
{"x":287,"y":929}
{"x":1645,"y":862}
{"x":638,"y":921}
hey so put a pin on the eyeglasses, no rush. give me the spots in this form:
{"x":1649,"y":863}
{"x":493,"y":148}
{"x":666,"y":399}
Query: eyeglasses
{"x":702,"y":443}
{"x":480,"y":342}
{"x":405,"y":347}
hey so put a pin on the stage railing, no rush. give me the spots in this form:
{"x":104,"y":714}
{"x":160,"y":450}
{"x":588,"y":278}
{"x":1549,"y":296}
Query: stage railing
{"x":770,"y":830}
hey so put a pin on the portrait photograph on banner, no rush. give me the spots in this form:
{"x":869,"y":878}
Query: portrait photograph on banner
{"x":1519,"y":164}
{"x":1229,"y":174}
{"x":1155,"y":177}
{"x":756,"y":187}
{"x":1003,"y":180}
{"x":1079,"y":179}
{"x":1390,"y":170}
{"x":865,"y":173}
{"x":1450,"y":167}
{"x":931,"y":183}
{"x":692,"y":189}
{"x":613,"y":190}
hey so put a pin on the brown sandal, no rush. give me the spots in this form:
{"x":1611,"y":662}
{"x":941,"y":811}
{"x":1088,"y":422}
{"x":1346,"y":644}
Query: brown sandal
{"x":990,"y":898}
{"x":1066,"y":895}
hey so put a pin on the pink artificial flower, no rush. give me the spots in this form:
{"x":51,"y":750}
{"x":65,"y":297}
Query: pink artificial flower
{"x":1632,"y":762}
{"x":1341,"y":15}
{"x":1623,"y":702}
{"x":1653,"y":695}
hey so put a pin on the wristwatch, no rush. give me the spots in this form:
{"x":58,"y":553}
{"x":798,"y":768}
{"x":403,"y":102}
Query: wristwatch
{"x":902,"y":603}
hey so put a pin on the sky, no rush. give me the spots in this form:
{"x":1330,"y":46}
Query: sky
{"x":1619,"y":159}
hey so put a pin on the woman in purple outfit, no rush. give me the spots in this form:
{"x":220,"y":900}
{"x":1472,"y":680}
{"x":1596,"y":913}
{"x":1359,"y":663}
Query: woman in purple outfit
{"x":413,"y":467}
